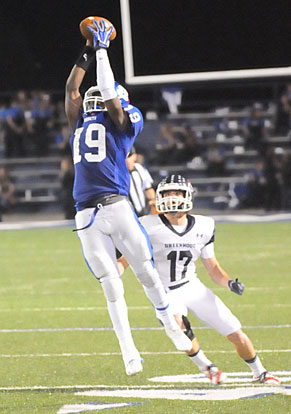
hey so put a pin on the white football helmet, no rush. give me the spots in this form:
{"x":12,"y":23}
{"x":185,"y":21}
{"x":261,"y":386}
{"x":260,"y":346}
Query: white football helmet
{"x":170,"y":203}
{"x":93,"y":101}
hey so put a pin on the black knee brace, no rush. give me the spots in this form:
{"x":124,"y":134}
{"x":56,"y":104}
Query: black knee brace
{"x":188,"y":331}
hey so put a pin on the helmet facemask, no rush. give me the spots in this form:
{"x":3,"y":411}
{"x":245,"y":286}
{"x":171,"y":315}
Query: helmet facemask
{"x":93,"y":101}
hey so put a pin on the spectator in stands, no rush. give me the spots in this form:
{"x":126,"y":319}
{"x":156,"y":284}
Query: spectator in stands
{"x":283,"y":116}
{"x":7,"y":192}
{"x":273,"y":174}
{"x":59,"y":110}
{"x":256,"y":186}
{"x":222,"y":127}
{"x":251,"y":193}
{"x":142,"y":194}
{"x":254,"y":129}
{"x":166,"y":146}
{"x":215,"y":159}
{"x":40,"y":119}
{"x":67,"y":173}
{"x":62,"y":138}
{"x":14,"y":126}
{"x":188,"y":146}
{"x":2,"y":115}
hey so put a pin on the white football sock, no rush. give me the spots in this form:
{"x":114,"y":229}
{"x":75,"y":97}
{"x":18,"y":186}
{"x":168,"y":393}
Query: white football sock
{"x":119,"y":317}
{"x":200,"y":360}
{"x":256,"y":366}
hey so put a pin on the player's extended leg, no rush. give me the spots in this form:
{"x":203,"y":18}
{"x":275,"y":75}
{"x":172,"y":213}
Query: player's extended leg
{"x":114,"y":293}
{"x":154,"y":290}
{"x":246,"y":351}
{"x":210,"y":309}
{"x":99,"y":254}
{"x":243,"y":345}
{"x":131,"y":239}
{"x":197,"y":356}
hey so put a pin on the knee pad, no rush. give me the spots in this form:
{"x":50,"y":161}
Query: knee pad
{"x":147,"y":274}
{"x":113,"y":288}
{"x":188,"y":330}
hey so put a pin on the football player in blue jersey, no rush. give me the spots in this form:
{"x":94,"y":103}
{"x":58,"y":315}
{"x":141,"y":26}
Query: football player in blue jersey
{"x":178,"y":240}
{"x":105,"y":126}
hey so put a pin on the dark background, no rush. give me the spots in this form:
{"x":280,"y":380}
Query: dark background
{"x":200,"y":35}
{"x":40,"y":40}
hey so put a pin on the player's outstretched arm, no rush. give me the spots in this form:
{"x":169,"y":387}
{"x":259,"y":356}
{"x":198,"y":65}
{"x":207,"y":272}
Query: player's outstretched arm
{"x":106,"y":83}
{"x":105,"y":78}
{"x":73,"y":100}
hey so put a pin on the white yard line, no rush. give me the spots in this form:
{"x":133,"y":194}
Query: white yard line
{"x":72,"y":387}
{"x":284,"y":375}
{"x":96,"y":308}
{"x":219,"y":218}
{"x":146,"y":328}
{"x":104,"y":354}
{"x":69,"y":309}
{"x":35,"y":290}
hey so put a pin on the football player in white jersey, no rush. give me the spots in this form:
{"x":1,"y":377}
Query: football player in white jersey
{"x":178,"y":239}
{"x":104,"y":128}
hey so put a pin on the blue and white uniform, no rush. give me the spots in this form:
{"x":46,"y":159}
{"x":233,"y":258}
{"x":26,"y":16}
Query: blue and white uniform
{"x":105,"y":220}
{"x":99,"y":151}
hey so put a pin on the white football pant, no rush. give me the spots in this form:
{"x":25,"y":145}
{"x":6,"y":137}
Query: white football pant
{"x":116,"y":226}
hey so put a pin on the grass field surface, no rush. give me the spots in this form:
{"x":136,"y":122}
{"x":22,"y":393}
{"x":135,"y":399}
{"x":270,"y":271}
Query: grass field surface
{"x":58,"y":353}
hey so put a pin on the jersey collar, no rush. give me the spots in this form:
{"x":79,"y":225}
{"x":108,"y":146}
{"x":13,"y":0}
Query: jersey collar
{"x":191,"y":222}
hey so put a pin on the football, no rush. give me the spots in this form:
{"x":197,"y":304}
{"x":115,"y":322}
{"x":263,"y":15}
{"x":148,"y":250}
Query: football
{"x":89,"y":21}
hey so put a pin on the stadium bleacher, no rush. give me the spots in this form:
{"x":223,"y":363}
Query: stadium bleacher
{"x":37,"y":179}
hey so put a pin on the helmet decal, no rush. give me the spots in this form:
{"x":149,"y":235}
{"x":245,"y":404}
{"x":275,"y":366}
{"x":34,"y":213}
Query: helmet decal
{"x":122,"y":95}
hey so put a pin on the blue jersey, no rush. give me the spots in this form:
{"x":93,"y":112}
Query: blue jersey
{"x":99,"y":151}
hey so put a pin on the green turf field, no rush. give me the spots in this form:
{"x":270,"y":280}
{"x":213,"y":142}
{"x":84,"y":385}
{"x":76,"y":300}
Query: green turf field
{"x":49,"y":300}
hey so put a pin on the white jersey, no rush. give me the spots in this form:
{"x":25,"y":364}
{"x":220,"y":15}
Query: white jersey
{"x":175,"y":251}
